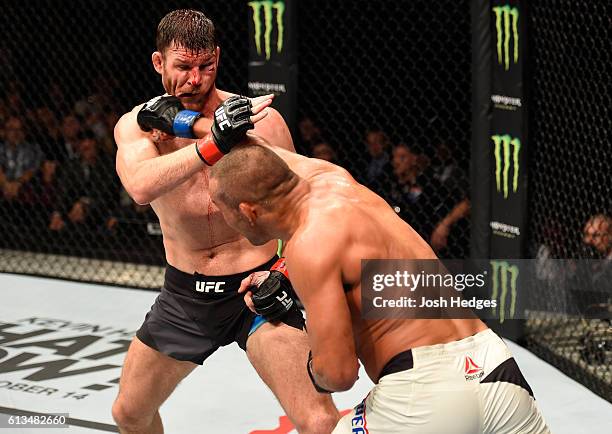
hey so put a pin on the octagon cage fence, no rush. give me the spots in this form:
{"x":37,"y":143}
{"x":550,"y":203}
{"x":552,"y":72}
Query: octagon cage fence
{"x":384,"y":90}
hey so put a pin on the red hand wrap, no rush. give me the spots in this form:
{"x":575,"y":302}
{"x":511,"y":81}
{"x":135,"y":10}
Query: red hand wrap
{"x":280,"y":266}
{"x":207,"y":150}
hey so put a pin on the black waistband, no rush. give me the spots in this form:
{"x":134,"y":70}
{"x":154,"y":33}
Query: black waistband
{"x":400,"y":362}
{"x":201,"y":285}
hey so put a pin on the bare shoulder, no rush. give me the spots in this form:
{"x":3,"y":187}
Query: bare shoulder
{"x":274,"y":130}
{"x":275,"y":117}
{"x":320,"y":243}
{"x":273,"y":120}
{"x":127,"y":129}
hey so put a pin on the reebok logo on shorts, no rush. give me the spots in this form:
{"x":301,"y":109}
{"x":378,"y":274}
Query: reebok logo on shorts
{"x":472,"y":370}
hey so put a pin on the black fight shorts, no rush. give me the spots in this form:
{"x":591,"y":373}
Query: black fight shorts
{"x":195,"y":314}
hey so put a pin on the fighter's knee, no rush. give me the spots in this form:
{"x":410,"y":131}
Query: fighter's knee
{"x":129,"y":418}
{"x":318,"y":422}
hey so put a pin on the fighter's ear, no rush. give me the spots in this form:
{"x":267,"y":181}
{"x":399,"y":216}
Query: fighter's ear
{"x":249,"y":211}
{"x":158,"y":61}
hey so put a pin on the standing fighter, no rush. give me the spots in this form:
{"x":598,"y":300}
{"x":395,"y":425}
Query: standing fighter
{"x":199,"y":308}
{"x":432,"y":375}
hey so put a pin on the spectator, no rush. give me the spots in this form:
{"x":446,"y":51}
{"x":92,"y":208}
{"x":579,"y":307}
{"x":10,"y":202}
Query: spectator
{"x":440,"y":236}
{"x":71,"y":130}
{"x":450,"y":234}
{"x":93,"y":107}
{"x":89,"y":188}
{"x":324,"y":151}
{"x":95,"y":122}
{"x":443,"y":165}
{"x":48,"y":133}
{"x":378,"y":173}
{"x":46,"y":191}
{"x":310,"y":135}
{"x":590,"y":293}
{"x":405,"y":170}
{"x":100,"y":98}
{"x":42,"y":197}
{"x":597,"y":235}
{"x":551,"y":289}
{"x":110,"y":119}
{"x":56,"y":98}
{"x":415,"y":197}
{"x":19,"y":161}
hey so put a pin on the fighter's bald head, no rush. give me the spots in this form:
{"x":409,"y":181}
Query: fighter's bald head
{"x":253,"y":174}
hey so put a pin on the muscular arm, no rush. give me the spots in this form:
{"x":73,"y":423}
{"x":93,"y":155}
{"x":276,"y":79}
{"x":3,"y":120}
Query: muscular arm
{"x":146,"y":174}
{"x":317,"y":280}
{"x":143,"y":172}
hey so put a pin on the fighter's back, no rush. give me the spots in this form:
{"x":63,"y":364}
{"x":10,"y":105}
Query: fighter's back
{"x":345,"y":213}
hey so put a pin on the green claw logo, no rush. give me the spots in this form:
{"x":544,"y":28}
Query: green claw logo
{"x":503,"y":34}
{"x":503,"y":161}
{"x":504,"y":280}
{"x":268,"y":6}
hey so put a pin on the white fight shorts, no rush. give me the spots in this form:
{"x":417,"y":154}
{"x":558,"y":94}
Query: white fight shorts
{"x":469,"y":386}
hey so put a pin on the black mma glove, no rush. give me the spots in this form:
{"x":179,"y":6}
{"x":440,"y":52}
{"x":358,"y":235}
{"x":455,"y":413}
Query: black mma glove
{"x":231,"y":122}
{"x":166,"y":113}
{"x":273,"y":299}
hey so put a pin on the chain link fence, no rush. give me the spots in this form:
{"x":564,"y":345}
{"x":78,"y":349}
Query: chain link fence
{"x":390,"y":105}
{"x":570,"y":202}
{"x":69,"y":71}
{"x":384,"y":90}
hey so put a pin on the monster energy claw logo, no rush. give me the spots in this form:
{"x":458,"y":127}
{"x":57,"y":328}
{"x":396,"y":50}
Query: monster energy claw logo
{"x":506,"y":14}
{"x":504,"y":144}
{"x":505,"y":277}
{"x":267,"y":6}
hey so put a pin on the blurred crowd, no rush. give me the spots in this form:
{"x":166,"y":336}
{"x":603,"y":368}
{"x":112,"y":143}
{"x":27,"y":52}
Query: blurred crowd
{"x":57,"y":175}
{"x":58,"y":180}
{"x":425,"y":185}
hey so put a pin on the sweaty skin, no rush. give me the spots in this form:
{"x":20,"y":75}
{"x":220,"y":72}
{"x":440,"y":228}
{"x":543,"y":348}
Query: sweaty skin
{"x":168,"y":173}
{"x":196,"y":238}
{"x":330,"y":222}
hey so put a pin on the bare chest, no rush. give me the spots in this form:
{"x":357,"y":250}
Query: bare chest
{"x":191,"y":199}
{"x":188,"y":208}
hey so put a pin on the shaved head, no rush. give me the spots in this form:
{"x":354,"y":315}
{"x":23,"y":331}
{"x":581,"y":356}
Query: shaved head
{"x":252,"y":174}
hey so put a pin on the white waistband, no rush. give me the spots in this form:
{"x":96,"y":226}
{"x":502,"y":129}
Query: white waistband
{"x":455,"y":347}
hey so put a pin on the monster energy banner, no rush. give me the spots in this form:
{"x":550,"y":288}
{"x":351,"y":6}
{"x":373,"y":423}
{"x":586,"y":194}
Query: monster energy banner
{"x":499,"y":143}
{"x":499,"y":138}
{"x":272,"y":58}
{"x":507,"y":130}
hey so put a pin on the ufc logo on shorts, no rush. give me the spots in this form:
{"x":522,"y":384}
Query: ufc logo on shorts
{"x":221,"y":118}
{"x":209,"y":286}
{"x":285,"y":300}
